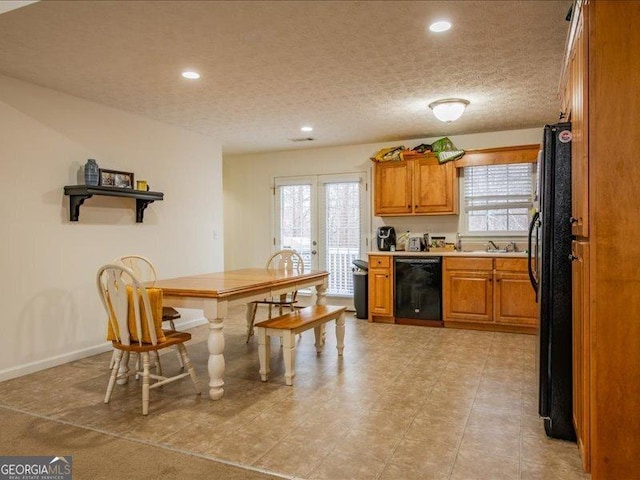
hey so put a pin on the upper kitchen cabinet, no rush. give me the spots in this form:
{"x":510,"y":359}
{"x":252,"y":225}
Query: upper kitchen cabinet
{"x":393,"y":188}
{"x":575,"y":108}
{"x":418,"y":185}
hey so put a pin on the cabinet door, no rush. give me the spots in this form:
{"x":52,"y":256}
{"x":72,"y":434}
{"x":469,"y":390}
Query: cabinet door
{"x":514,"y":299}
{"x":581,"y":348}
{"x":380,"y":285}
{"x":393,"y":188}
{"x":435,"y":187}
{"x":468,"y":296}
{"x":580,"y":128}
{"x":380,"y":293}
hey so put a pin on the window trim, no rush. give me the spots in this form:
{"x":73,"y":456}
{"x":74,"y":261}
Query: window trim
{"x":463,"y":223}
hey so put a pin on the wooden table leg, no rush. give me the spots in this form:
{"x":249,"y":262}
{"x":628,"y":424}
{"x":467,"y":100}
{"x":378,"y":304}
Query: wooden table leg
{"x":215,"y":312}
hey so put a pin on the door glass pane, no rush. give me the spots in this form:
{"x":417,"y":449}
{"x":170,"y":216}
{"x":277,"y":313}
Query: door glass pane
{"x":295,"y":220}
{"x":342,"y":234}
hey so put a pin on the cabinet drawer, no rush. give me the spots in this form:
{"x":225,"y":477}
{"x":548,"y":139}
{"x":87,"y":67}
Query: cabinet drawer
{"x":511,"y":264}
{"x":468,"y":263}
{"x":383,"y":261}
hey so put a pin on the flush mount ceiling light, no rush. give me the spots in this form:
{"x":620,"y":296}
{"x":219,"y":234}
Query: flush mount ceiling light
{"x":438,"y":27}
{"x":191,"y":75}
{"x":306,"y":129}
{"x":449,"y":109}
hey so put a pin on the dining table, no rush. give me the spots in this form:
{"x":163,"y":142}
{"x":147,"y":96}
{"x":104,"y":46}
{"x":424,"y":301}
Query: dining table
{"x":213,"y":293}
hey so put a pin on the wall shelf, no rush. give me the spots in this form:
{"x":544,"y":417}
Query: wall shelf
{"x":79,"y":193}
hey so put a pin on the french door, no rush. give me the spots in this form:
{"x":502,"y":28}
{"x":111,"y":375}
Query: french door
{"x":324,"y":218}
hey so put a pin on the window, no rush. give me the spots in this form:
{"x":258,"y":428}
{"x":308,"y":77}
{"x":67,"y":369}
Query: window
{"x":497,"y":198}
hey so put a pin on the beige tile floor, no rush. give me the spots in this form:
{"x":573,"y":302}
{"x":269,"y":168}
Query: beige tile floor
{"x":403,"y":403}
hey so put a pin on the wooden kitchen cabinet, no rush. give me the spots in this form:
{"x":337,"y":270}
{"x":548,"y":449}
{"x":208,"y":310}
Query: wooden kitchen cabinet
{"x":467,"y":290}
{"x":577,"y":91}
{"x":393,"y":188}
{"x":418,"y":185}
{"x":488,"y":293}
{"x":435,"y":187}
{"x":514,"y":299}
{"x":581,"y":347}
{"x":381,"y":288}
{"x":601,"y":72}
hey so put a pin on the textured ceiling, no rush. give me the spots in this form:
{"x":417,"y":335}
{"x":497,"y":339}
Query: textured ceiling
{"x":357,"y":71}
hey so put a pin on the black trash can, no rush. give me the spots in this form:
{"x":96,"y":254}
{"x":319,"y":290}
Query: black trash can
{"x":361,"y":288}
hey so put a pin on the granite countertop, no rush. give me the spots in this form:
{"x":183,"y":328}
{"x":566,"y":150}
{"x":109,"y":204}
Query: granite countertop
{"x":451,"y":253}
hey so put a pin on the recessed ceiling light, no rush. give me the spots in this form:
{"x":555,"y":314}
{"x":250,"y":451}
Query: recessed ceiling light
{"x":307,"y":129}
{"x":438,"y":27}
{"x":191,"y":75}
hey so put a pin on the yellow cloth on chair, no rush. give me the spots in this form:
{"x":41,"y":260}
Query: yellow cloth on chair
{"x":155,"y":302}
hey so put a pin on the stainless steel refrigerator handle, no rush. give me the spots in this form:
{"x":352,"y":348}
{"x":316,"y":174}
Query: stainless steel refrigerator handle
{"x":532,"y":279}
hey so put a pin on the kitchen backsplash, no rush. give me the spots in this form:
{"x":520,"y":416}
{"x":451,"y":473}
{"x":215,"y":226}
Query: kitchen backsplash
{"x":445,"y":226}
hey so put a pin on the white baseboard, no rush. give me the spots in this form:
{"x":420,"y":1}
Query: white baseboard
{"x":26,"y":369}
{"x":194,"y":322}
{"x":43,"y":364}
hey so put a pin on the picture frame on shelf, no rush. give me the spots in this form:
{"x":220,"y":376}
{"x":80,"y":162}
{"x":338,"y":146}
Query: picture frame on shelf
{"x":116,"y":178}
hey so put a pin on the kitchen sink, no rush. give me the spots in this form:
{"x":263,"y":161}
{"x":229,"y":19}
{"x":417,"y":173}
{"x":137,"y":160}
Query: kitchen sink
{"x":492,"y":250}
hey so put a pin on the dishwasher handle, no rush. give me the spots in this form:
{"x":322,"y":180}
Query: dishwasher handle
{"x":427,"y":260}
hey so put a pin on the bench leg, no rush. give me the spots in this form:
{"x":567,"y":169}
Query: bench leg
{"x":289,"y":353}
{"x":318,"y":331}
{"x":340,"y":333}
{"x":264,"y":352}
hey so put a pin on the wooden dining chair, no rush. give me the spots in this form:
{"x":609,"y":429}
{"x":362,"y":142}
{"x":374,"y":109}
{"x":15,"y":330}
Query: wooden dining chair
{"x":286,"y":260}
{"x":144,"y":271}
{"x":134,"y":314}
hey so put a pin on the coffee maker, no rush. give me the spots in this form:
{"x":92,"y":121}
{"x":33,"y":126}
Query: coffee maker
{"x":386,"y":238}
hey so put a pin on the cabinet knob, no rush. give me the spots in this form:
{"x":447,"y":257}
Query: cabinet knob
{"x":572,"y":257}
{"x":573,"y":220}
{"x":497,"y":279}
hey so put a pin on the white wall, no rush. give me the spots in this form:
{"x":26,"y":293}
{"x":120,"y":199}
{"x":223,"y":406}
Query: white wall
{"x":248,"y":199}
{"x":50,"y":309}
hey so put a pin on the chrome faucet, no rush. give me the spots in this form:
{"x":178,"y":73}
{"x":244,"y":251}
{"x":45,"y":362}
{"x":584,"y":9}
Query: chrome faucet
{"x":492,"y":244}
{"x":511,"y":247}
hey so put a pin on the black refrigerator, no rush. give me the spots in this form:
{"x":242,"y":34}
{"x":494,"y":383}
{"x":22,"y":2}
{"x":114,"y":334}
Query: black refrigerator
{"x":550,"y":273}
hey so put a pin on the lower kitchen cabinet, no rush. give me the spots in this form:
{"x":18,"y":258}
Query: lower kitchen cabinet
{"x":381,"y":288}
{"x":488,"y":293}
{"x":468,"y":290}
{"x":514,"y":300}
{"x":581,"y":349}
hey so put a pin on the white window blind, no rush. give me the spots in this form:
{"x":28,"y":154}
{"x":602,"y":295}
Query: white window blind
{"x":497,"y":198}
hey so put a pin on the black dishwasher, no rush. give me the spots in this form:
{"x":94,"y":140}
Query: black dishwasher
{"x":418,"y":290}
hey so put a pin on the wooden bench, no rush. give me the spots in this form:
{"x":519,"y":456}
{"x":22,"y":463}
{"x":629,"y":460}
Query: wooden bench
{"x":287,"y":326}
